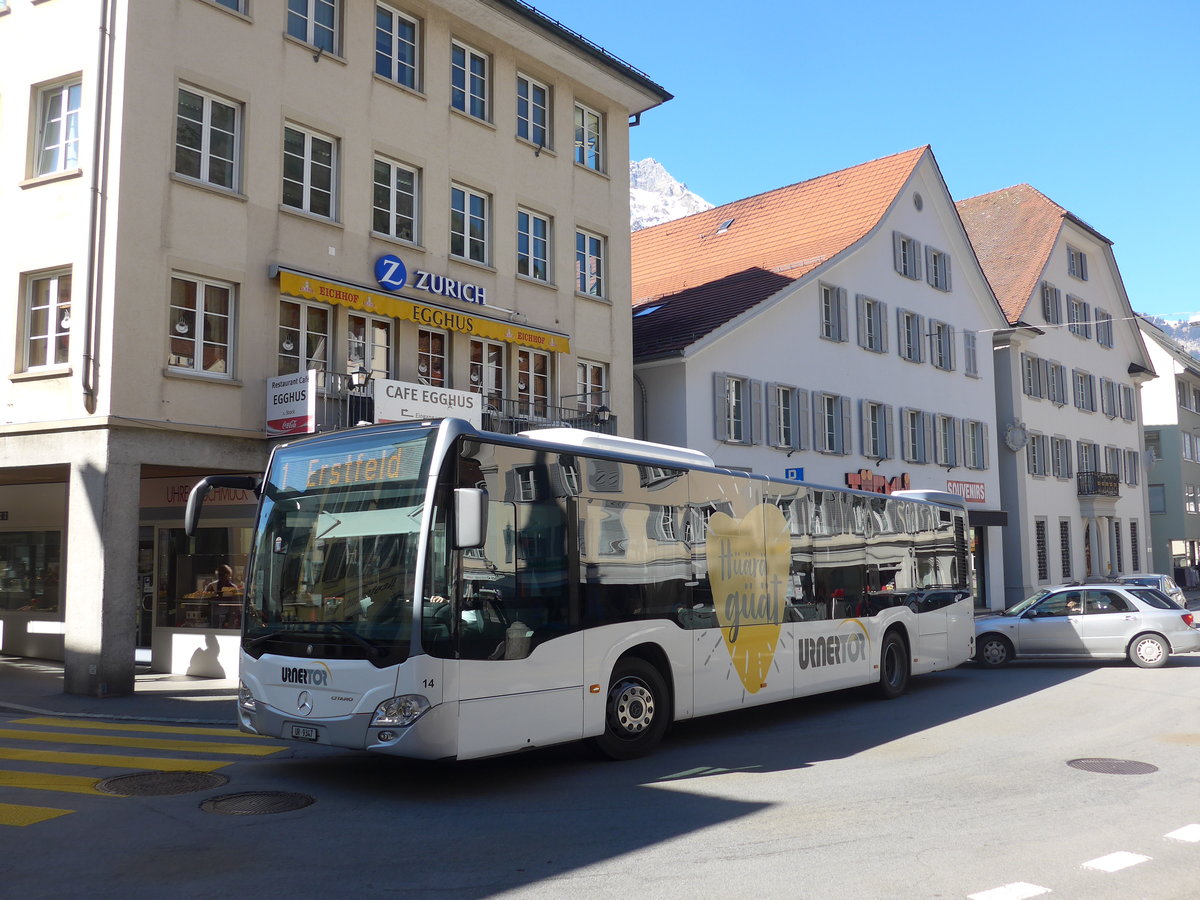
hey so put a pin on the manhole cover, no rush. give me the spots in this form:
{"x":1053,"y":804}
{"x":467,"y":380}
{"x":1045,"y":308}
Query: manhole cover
{"x":160,"y":784}
{"x":256,"y":803}
{"x":1113,"y":766}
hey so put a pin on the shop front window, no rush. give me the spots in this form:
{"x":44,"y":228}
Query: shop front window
{"x":30,"y":565}
{"x":201,"y":579}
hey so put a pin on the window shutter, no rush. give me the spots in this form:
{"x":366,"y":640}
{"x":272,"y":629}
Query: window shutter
{"x":818,"y":426}
{"x":720,"y":406}
{"x":955,"y":441}
{"x":927,"y":450}
{"x":771,"y":414}
{"x":946,"y":271}
{"x":1043,"y":389}
{"x":756,"y":412}
{"x":843,"y":320}
{"x":860,"y":303}
{"x":845,"y":439}
{"x":897,"y":256}
{"x":950,"y":360}
{"x":889,"y":430}
{"x":864,"y":430}
{"x":802,"y":420}
{"x":916,"y":258}
{"x":920,"y":342}
{"x":882,"y":318}
{"x":1081,"y":454}
{"x":1087,"y":320}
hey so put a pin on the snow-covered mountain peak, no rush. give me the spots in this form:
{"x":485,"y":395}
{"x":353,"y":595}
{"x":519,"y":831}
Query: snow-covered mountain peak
{"x":656,"y":197}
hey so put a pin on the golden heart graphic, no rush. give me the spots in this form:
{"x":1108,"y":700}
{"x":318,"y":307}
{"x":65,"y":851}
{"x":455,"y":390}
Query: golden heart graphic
{"x":748,"y":565}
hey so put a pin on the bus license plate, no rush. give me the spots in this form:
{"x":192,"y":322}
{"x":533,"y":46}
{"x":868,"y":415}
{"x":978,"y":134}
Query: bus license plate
{"x":304,"y":733}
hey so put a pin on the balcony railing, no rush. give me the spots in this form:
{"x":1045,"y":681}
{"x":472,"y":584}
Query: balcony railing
{"x":525,"y":415}
{"x":1098,"y":484}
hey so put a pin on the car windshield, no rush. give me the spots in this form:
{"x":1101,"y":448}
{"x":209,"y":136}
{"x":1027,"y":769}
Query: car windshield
{"x":1017,"y":608}
{"x":335,"y":558}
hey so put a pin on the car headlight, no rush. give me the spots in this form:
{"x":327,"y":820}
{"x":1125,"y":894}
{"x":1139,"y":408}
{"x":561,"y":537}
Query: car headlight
{"x":402,"y":711}
{"x":246,"y":699}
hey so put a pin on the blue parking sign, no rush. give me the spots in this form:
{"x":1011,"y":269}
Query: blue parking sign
{"x":794,"y":474}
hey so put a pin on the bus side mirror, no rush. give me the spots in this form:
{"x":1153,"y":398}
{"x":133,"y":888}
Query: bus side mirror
{"x":191,"y":517}
{"x":470,"y":518}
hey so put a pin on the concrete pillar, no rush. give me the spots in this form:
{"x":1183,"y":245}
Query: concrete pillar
{"x":101,"y":578}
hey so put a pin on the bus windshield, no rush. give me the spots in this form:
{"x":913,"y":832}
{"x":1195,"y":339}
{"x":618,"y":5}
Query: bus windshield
{"x":335,"y":553}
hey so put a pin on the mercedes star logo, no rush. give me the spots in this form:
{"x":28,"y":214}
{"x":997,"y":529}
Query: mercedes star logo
{"x":304,"y":703}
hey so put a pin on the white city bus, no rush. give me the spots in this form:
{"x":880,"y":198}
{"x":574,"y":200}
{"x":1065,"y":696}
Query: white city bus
{"x":433,"y":591}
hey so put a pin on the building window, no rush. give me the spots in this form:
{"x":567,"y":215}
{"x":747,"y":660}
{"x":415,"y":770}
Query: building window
{"x":394,"y":204}
{"x":1085,"y":390}
{"x":1132,"y":459}
{"x":1033,"y":370}
{"x":731,"y":394}
{"x":206,"y":138}
{"x":431,"y":357}
{"x":200,"y":326}
{"x":589,"y":264}
{"x":1104,"y":328}
{"x":305,"y":334}
{"x":1118,"y":551}
{"x":1157,"y":495}
{"x":785,"y":416}
{"x":468,"y":80}
{"x":915,"y":439}
{"x":1043,"y":556}
{"x":308,"y":169}
{"x":970,"y":358}
{"x":1189,"y":500}
{"x":1108,"y":397}
{"x":833,"y":423}
{"x":487,"y":371}
{"x":975,"y":438}
{"x":946,"y":434}
{"x":1064,"y":547}
{"x":591,"y":385}
{"x":58,"y":128}
{"x":468,"y":224}
{"x":533,"y":245}
{"x":48,"y":320}
{"x":314,"y":22}
{"x":1135,"y":564}
{"x":872,"y":324}
{"x":533,"y":111}
{"x":1060,"y":453}
{"x":1112,"y":461}
{"x":589,"y":138}
{"x":833,"y":313}
{"x":1089,"y":456}
{"x":1079,"y":317}
{"x":369,"y":345}
{"x":906,"y":254}
{"x":533,"y":382}
{"x":1036,"y":453}
{"x":396,"y":46}
{"x":937,"y":268}
{"x":911,"y":328}
{"x":1183,"y":394}
{"x":1057,"y":375}
{"x":1051,"y":303}
{"x":1076,"y":263}
{"x":941,"y":345}
{"x":1185,"y":446}
{"x":876,"y":430}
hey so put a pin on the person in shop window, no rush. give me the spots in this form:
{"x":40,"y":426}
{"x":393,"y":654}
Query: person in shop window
{"x":223,"y":583}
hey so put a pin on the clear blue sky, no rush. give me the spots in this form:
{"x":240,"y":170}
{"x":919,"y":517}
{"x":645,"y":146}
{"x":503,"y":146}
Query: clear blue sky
{"x":1097,"y":105}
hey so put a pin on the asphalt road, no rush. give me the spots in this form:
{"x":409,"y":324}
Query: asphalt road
{"x":959,"y":789}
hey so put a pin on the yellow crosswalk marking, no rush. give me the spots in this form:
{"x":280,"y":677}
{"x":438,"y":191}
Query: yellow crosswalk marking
{"x":147,"y":728}
{"x":40,"y":781}
{"x":110,"y":740}
{"x":154,"y":763}
{"x":14,"y":814}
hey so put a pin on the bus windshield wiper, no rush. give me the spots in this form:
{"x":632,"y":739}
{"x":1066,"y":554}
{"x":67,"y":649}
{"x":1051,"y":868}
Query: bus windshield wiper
{"x":372,"y":648}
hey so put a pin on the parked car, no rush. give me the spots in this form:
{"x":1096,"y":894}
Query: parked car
{"x":1164,"y":583}
{"x":1096,"y":621}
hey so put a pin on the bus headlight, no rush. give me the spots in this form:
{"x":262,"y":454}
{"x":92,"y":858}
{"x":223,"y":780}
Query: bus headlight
{"x":246,"y":699}
{"x":402,"y":711}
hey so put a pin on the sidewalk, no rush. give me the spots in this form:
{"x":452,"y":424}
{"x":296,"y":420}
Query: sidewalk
{"x":35,"y":686}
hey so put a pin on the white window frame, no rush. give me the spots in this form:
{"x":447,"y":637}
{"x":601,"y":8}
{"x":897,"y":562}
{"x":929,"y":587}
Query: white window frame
{"x":1132,"y":464}
{"x":311,"y":349}
{"x":831,"y":423}
{"x":1051,"y":304}
{"x":533,"y":245}
{"x":876,"y":426}
{"x":833,"y":313}
{"x":941,"y":345}
{"x":1128,"y":403}
{"x":937,"y":268}
{"x":1079,"y":317}
{"x":911,"y":327}
{"x":533,"y":114}
{"x":734,"y":407}
{"x":402,"y":212}
{"x":590,"y":275}
{"x":589,"y":138}
{"x":316,"y":23}
{"x":1108,"y":397}
{"x":470,"y":224}
{"x":1057,"y":383}
{"x":311,"y":190}
{"x":906,"y":255}
{"x":916,"y":429}
{"x":591,"y":385}
{"x":970,"y":354}
{"x":1076,"y":263}
{"x":58,"y":127}
{"x":1104,"y":328}
{"x":535,"y":379}
{"x":486,"y":371}
{"x":975,"y":451}
{"x":946,"y":440}
{"x":1037,"y":452}
{"x":370,"y":348}
{"x":401,"y":63}
{"x":206,"y":158}
{"x":1084,"y":390}
{"x":872,"y":323}
{"x":54,"y":335}
{"x":787,"y":415}
{"x":200,"y":325}
{"x":433,"y":362}
{"x":470,"y":81}
{"x":1060,"y":456}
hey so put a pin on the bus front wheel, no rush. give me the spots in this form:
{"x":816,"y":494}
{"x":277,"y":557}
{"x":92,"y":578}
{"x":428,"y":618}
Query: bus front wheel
{"x":637,"y":710}
{"x":893,"y":666}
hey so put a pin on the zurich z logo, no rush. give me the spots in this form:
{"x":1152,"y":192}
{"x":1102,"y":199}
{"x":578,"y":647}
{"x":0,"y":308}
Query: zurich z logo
{"x":390,"y":272}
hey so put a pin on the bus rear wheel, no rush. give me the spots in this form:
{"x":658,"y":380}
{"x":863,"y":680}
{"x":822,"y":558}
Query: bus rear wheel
{"x":637,"y":710}
{"x":893,"y":666}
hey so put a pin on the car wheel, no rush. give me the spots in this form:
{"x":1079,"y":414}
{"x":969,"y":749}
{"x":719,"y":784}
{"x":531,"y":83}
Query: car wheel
{"x":1149,"y":651}
{"x":637,"y":711}
{"x":993,"y":650}
{"x":893,"y":666}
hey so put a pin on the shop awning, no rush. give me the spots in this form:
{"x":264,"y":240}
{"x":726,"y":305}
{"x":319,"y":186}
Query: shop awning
{"x":296,"y":283}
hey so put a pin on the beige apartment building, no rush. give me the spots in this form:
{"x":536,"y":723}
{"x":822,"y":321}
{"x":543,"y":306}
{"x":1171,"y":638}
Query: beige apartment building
{"x":231,"y":220}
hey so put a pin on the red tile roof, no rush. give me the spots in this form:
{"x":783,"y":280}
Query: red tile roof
{"x":701,"y":279}
{"x":1013,"y":231}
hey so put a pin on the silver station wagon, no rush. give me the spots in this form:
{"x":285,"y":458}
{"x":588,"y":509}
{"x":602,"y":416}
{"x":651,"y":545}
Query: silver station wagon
{"x":1097,"y":621}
